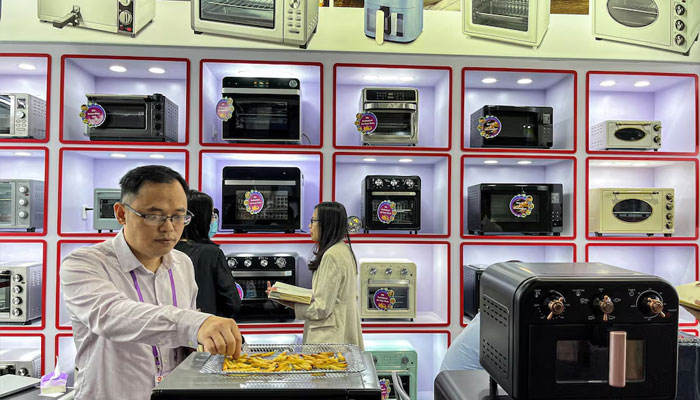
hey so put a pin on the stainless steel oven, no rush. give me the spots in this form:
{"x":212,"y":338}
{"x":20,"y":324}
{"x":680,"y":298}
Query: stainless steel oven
{"x":264,"y":110}
{"x":396,"y":113}
{"x":259,"y":199}
{"x":139,"y":118}
{"x":103,"y":210}
{"x":21,"y":361}
{"x":387,"y":289}
{"x":391,"y":202}
{"x":22,"y":116}
{"x":21,"y":204}
{"x":512,"y":127}
{"x":20,"y":292}
{"x":118,"y":16}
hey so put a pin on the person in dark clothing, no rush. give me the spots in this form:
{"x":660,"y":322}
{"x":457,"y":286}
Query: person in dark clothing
{"x":217,"y":289}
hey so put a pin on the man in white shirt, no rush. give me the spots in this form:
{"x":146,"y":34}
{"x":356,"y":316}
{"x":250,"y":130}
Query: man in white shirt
{"x":463,"y":353}
{"x":132,"y":298}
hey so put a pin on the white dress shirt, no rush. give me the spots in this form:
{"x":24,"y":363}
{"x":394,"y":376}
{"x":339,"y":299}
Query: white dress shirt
{"x":113,"y":331}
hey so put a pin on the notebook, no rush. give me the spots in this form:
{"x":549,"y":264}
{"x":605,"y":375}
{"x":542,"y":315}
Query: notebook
{"x":291,"y":293}
{"x":688,"y":293}
{"x":10,"y":384}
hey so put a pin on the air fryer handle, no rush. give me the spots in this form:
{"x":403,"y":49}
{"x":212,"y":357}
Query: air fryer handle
{"x":618,"y":359}
{"x":382,"y":24}
{"x":398,"y":387}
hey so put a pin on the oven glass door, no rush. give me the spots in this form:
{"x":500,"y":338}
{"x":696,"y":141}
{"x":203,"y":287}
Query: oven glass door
{"x":405,"y":383}
{"x":106,"y":210}
{"x":407,"y":210}
{"x":394,"y":123}
{"x":518,"y":128}
{"x":255,"y":306}
{"x":129,"y":116}
{"x":5,"y":285}
{"x":641,"y":20}
{"x":255,"y":13}
{"x":401,"y":295}
{"x":280,"y":209}
{"x":7,"y":205}
{"x":638,"y":211}
{"x":263,"y":117}
{"x":6,"y":112}
{"x":517,"y":209}
{"x":506,"y":14}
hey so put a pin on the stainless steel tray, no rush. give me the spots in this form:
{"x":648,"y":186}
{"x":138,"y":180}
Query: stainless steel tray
{"x":351,"y":352}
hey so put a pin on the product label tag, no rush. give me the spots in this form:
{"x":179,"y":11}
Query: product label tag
{"x":384,"y":299}
{"x":386,"y":211}
{"x":224,"y":109}
{"x":489,"y":126}
{"x":93,"y":115}
{"x":385,"y":387}
{"x":240,"y":290}
{"x":366,"y":123}
{"x":254,"y":202}
{"x":521,"y":205}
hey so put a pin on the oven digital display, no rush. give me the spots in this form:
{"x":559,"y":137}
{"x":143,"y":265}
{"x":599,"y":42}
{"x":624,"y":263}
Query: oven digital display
{"x":390,"y":95}
{"x":582,"y":361}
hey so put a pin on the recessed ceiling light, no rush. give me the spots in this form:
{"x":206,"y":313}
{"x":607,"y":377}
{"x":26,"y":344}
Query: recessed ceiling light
{"x":405,"y":160}
{"x":608,"y":83}
{"x":490,"y":161}
{"x":524,"y":162}
{"x":406,"y":78}
{"x":370,"y":77}
{"x":118,"y":155}
{"x":156,"y":70}
{"x":22,"y":153}
{"x":117,"y":68}
{"x":158,"y":156}
{"x":524,"y":81}
{"x":642,"y":83}
{"x":489,"y":80}
{"x":606,"y":164}
{"x":388,"y":77}
{"x":27,"y":67}
{"x":640,"y":164}
{"x":369,"y":159}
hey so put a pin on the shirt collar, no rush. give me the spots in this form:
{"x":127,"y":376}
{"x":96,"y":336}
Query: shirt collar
{"x":128,"y":261}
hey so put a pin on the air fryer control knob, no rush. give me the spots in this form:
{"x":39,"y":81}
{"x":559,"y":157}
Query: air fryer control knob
{"x":248,"y":262}
{"x":232,"y":262}
{"x":372,"y":271}
{"x":680,"y":10}
{"x":404,"y":271}
{"x":680,"y":40}
{"x":17,"y":289}
{"x":409,"y":183}
{"x":388,"y":271}
{"x":657,"y":139}
{"x":604,"y":305}
{"x":23,"y":214}
{"x":263,"y":262}
{"x":680,"y":25}
{"x":16,"y":301}
{"x":16,"y":312}
{"x":23,"y":202}
{"x":554,"y":305}
{"x":669,"y":206}
{"x":394,"y":183}
{"x":650,"y":304}
{"x":669,"y":196}
{"x":23,"y":189}
{"x":281,"y":262}
{"x":17,"y":278}
{"x":378,"y":182}
{"x":23,"y":372}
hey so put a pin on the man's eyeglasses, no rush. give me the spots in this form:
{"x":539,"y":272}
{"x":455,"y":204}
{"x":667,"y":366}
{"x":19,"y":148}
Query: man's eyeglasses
{"x":158,"y":220}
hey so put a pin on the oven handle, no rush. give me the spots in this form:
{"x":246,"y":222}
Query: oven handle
{"x":637,"y":192}
{"x":254,"y":182}
{"x":259,"y":91}
{"x":618,"y":358}
{"x":393,"y":282}
{"x":255,"y":274}
{"x":393,"y":193}
{"x":390,"y":106}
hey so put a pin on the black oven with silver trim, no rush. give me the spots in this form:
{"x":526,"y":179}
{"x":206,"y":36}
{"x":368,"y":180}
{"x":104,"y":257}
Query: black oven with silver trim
{"x":22,"y":116}
{"x":391,"y":202}
{"x":138,"y":118}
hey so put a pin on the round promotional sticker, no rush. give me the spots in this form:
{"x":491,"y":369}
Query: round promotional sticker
{"x":93,"y":115}
{"x":384,"y":299}
{"x":522,"y":205}
{"x":385,"y":387}
{"x":240,"y":290}
{"x":386,"y":212}
{"x":254,"y":202}
{"x":366,"y":123}
{"x":489,"y":126}
{"x":224,"y":109}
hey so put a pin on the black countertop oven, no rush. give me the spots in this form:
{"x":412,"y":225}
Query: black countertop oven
{"x":139,"y":118}
{"x":391,"y":202}
{"x":510,"y":126}
{"x":578,"y":331}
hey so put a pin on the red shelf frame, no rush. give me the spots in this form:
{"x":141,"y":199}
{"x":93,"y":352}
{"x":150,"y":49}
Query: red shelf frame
{"x":509,"y":156}
{"x":418,"y":331}
{"x":42,"y":348}
{"x":46,"y":190}
{"x":618,"y":238}
{"x":652,"y":154}
{"x":260,"y":145}
{"x":519,"y":150}
{"x":105,"y":150}
{"x":123,"y":143}
{"x":390,"y":66}
{"x":265,"y":235}
{"x":693,"y":245}
{"x":58,"y":278}
{"x":48,"y":96}
{"x":447,"y":156}
{"x":43,"y":287}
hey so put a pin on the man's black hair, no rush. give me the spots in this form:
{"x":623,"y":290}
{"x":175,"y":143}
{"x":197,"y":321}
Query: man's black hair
{"x":133,"y":180}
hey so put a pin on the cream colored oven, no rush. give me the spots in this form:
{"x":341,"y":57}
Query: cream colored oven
{"x":387,"y":289}
{"x":631,"y":210}
{"x":518,"y":21}
{"x":626,"y":135}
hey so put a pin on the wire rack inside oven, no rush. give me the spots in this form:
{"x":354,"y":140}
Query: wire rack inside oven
{"x":352,"y":355}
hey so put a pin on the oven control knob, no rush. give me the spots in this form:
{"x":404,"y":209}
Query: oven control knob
{"x":17,"y":289}
{"x":16,"y":301}
{"x":404,"y":360}
{"x":23,"y":372}
{"x":604,"y":305}
{"x":409,"y":183}
{"x":680,"y":40}
{"x":248,"y":262}
{"x":125,"y":18}
{"x":157,"y":106}
{"x":669,"y":196}
{"x":23,"y":189}
{"x":157,"y":126}
{"x":657,"y":139}
{"x":651,"y":304}
{"x":158,"y":117}
{"x":23,"y":214}
{"x":680,"y":25}
{"x":20,"y":114}
{"x":388,"y":271}
{"x":669,"y":206}
{"x":657,"y":128}
{"x":17,"y":278}
{"x":680,"y":10}
{"x":404,"y":271}
{"x":374,"y":359}
{"x":554,"y":305}
{"x":372,"y":271}
{"x":293,"y":83}
{"x":263,"y":262}
{"x":669,"y":225}
{"x":232,"y":262}
{"x":125,"y":3}
{"x":294,"y":3}
{"x":16,"y":312}
{"x":669,"y":216}
{"x":23,"y":202}
{"x":378,"y":182}
{"x":394,"y":183}
{"x":281,"y":262}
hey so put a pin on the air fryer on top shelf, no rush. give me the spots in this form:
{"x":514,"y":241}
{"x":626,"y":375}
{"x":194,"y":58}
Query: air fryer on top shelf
{"x":393,"y":20}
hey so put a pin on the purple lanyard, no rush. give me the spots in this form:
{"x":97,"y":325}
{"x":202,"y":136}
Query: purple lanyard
{"x":159,"y":368}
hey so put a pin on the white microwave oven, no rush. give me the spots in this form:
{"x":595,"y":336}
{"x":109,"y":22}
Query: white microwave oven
{"x":285,"y":21}
{"x":387,"y":289}
{"x":626,"y":135}
{"x":631,"y":211}
{"x":20,"y":292}
{"x":665,"y":24}
{"x":117,"y":16}
{"x":518,"y":21}
{"x":21,"y":204}
{"x":22,"y":116}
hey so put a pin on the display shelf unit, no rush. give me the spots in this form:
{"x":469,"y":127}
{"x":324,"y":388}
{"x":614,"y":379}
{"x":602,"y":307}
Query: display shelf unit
{"x":434,"y":85}
{"x":25,"y":341}
{"x":13,"y":250}
{"x":681,"y":174}
{"x":83,"y":169}
{"x":83,"y":74}
{"x":670,"y":98}
{"x":310,"y":75}
{"x":26,"y":163}
{"x":350,"y":169}
{"x":488,"y":253}
{"x":523,"y":87}
{"x":64,"y":247}
{"x":212,"y":162}
{"x":675,"y":262}
{"x":27,"y":73}
{"x":505,"y":168}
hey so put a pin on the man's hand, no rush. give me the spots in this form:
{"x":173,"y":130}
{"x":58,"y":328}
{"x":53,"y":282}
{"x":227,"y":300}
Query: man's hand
{"x":220,"y":336}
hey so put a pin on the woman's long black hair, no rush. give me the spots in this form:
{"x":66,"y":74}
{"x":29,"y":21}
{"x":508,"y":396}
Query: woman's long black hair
{"x":333,"y":227}
{"x":200,"y":204}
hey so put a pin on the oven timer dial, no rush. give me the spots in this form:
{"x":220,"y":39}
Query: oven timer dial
{"x":394,"y":183}
{"x":263,"y":262}
{"x":16,"y":312}
{"x":372,"y":271}
{"x":17,"y":289}
{"x":16,"y":301}
{"x":248,"y":262}
{"x":378,"y":182}
{"x":605,"y":305}
{"x":17,"y":278}
{"x":409,"y":183}
{"x":293,"y":84}
{"x":651,"y":304}
{"x":554,"y":304}
{"x":404,"y":271}
{"x":232,"y":263}
{"x":23,"y":189}
{"x":281,"y":262}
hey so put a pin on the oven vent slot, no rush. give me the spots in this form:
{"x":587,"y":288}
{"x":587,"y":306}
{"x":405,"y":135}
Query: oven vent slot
{"x":494,"y":356}
{"x":494,"y":310}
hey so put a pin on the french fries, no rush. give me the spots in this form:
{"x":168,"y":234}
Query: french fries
{"x":258,"y":362}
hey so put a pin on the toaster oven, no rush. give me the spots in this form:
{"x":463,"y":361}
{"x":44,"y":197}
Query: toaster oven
{"x":20,"y":292}
{"x":578,"y":331}
{"x":391,"y":202}
{"x":21,"y":204}
{"x":518,"y":21}
{"x":387,"y":289}
{"x":21,"y":361}
{"x":288,"y":21}
{"x":626,"y":135}
{"x":666,"y":24}
{"x":103,"y":218}
{"x":471,"y":276}
{"x":510,"y":126}
{"x":399,"y":356}
{"x":528,"y":208}
{"x":140,"y":118}
{"x":631,"y":210}
{"x":259,"y":199}
{"x":396,"y":111}
{"x":22,"y":116}
{"x":120,"y":16}
{"x":264,"y":110}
